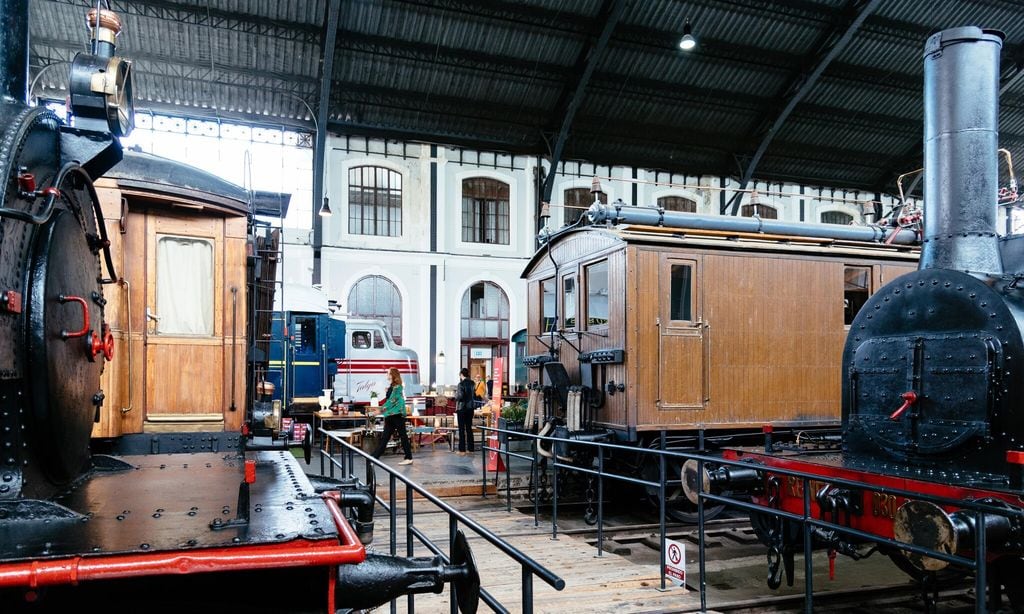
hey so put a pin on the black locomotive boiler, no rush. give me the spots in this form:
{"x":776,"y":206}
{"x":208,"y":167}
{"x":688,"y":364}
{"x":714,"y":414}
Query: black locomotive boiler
{"x":233,"y":524}
{"x":933,"y":367}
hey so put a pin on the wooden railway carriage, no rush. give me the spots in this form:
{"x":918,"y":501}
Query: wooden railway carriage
{"x":681,"y":328}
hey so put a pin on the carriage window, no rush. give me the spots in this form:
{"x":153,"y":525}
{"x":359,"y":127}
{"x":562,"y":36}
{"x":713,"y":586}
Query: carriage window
{"x":682,"y":292}
{"x":361,"y":339}
{"x":305,"y":335}
{"x":569,"y":301}
{"x":597,"y":294}
{"x":378,"y":340}
{"x":184,"y":286}
{"x":547,"y":302}
{"x":857,"y":288}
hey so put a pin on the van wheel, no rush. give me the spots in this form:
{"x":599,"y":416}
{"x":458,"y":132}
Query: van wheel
{"x":677,"y":507}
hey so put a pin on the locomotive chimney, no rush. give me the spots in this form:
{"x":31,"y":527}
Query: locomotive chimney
{"x":14,"y":50}
{"x":961,"y":136}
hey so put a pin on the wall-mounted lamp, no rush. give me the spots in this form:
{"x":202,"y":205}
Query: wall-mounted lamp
{"x":440,"y":357}
{"x":687,"y":42}
{"x":325,"y":209}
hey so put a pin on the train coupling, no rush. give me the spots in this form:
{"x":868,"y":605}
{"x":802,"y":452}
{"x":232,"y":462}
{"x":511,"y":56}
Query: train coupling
{"x":929,"y":526}
{"x":381,"y":578}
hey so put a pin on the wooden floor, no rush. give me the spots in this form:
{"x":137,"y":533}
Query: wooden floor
{"x":609,"y":583}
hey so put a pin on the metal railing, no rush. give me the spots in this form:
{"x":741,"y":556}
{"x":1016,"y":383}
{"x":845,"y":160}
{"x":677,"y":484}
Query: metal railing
{"x":806,"y":520}
{"x":333,"y":445}
{"x":600,"y":474}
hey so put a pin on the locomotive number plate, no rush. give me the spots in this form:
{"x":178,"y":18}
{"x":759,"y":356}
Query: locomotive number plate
{"x":883,"y":506}
{"x":795,"y":486}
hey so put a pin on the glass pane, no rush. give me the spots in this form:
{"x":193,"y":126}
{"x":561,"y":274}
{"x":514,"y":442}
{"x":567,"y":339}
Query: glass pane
{"x":184,"y":286}
{"x":305,"y":335}
{"x":857,"y":289}
{"x":682,"y":294}
{"x":376,"y":297}
{"x":597,"y":294}
{"x":378,"y":340}
{"x":547,"y":301}
{"x":762,"y":211}
{"x":836,"y":217}
{"x":375,"y":201}
{"x":569,"y":301}
{"x":677,"y":203}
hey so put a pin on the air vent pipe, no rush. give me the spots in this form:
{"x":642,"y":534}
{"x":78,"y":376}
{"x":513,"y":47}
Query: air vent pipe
{"x":620,"y":213}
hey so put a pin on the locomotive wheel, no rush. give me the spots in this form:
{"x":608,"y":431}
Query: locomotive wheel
{"x":677,"y":507}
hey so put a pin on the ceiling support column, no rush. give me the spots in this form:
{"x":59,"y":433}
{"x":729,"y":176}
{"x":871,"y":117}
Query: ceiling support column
{"x":320,"y":151}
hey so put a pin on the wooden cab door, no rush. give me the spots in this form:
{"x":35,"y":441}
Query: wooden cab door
{"x":183,"y":336}
{"x":682,"y":373}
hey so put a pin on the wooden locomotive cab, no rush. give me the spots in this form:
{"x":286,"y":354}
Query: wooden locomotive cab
{"x":680,"y":329}
{"x":178,"y":236}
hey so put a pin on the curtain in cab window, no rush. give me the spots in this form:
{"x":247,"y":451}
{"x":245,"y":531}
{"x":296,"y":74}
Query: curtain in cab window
{"x":184,"y":286}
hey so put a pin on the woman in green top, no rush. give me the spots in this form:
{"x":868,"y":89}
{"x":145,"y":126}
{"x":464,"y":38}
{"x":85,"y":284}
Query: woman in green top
{"x":394,"y":418}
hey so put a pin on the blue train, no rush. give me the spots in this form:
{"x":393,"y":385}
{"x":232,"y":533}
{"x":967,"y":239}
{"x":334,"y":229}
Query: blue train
{"x":313,"y":350}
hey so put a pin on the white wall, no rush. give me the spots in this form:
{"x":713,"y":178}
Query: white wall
{"x":406,"y":260}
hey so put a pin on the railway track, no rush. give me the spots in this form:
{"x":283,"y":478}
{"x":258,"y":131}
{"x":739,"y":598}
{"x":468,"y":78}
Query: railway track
{"x":733,"y":548}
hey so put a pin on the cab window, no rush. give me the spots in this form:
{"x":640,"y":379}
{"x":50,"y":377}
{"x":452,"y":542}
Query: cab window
{"x":360,"y":339}
{"x":305,"y":335}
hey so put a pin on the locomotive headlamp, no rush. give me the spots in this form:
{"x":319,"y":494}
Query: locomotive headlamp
{"x":100,"y":87}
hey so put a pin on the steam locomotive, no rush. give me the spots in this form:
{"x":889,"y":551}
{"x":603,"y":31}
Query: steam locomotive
{"x":931,"y":384}
{"x":230,"y":524}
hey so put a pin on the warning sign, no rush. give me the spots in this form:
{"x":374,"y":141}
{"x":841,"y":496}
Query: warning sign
{"x":675,"y":561}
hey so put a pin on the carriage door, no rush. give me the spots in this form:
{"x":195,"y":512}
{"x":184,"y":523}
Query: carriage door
{"x":307,"y":356}
{"x":682,"y":377}
{"x":184,"y":345}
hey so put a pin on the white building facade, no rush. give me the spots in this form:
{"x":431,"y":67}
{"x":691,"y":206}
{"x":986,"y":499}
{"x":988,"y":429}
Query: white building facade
{"x":433,"y":239}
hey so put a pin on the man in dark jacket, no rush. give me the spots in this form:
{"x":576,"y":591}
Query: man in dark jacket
{"x":464,"y":412}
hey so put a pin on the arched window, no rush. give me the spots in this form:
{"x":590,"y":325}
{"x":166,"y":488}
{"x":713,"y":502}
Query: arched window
{"x":485,"y":312}
{"x":485,"y":211}
{"x":376,"y":297}
{"x":763,"y":211}
{"x":374,"y":201}
{"x":576,"y":201}
{"x":836,"y":217}
{"x":485,"y":329}
{"x":677,"y":203}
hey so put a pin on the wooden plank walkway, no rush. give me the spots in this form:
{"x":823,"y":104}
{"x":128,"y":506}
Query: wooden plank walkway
{"x":609,"y":583}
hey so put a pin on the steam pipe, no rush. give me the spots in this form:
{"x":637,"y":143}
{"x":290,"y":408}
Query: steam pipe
{"x":618,"y":213}
{"x":14,"y":50}
{"x":961,"y":138}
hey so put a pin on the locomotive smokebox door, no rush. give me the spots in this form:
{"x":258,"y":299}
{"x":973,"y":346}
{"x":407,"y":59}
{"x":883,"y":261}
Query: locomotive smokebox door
{"x":65,"y":319}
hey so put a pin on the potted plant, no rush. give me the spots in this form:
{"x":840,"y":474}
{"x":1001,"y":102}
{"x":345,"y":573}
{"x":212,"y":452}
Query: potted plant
{"x":512,"y":419}
{"x":373,"y":399}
